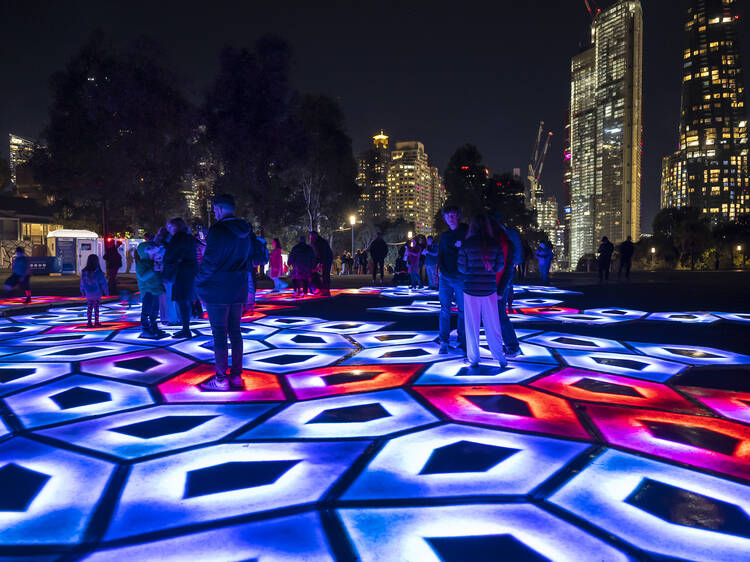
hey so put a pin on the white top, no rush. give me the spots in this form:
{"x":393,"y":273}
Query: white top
{"x":72,"y":233}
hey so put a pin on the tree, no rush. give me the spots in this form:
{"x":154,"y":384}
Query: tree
{"x":466,"y":179}
{"x":681,"y":234}
{"x":4,"y":173}
{"x":117,"y":137}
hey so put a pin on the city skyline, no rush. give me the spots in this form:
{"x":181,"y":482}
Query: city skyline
{"x":427,"y":101}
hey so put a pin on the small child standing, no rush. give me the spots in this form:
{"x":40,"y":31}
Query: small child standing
{"x":93,"y":287}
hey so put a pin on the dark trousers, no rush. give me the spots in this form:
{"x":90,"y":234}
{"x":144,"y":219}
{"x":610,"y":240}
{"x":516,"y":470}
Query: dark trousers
{"x":510,"y":340}
{"x":112,"y":281}
{"x":604,"y":268}
{"x":325,"y":279}
{"x":625,"y":263}
{"x":184,"y":308}
{"x":303,"y":283}
{"x":226,"y":320}
{"x":149,"y":311}
{"x":378,"y":265}
{"x":451,"y":289}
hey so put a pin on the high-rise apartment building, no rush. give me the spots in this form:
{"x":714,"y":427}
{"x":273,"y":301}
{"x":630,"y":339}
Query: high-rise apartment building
{"x":709,"y":170}
{"x":546,"y":214}
{"x":21,"y":151}
{"x":372,"y":178}
{"x":438,"y":194}
{"x":605,"y":131}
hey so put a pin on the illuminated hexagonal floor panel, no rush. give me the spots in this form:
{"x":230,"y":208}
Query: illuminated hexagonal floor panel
{"x":356,"y":439}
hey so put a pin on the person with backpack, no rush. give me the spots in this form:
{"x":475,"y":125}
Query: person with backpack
{"x":510,"y":243}
{"x":302,"y":260}
{"x":180,"y":269}
{"x":323,"y":261}
{"x":113,"y":262}
{"x":93,"y":288}
{"x":21,"y":274}
{"x":378,"y":251}
{"x":222,"y":284}
{"x":150,"y":287}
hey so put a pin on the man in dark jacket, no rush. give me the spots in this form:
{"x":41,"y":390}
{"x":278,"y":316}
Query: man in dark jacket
{"x":605,"y":258}
{"x":113,"y":262}
{"x":510,"y":240}
{"x":323,"y":260}
{"x":626,"y":257}
{"x":180,"y":269}
{"x":378,"y":251}
{"x":302,"y":261}
{"x":451,"y":285}
{"x":222,"y":285}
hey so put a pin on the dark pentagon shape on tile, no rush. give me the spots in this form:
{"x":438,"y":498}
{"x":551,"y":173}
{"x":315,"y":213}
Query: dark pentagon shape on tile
{"x":465,"y":456}
{"x":159,"y":427}
{"x":405,"y":353}
{"x":603,"y":387}
{"x":285,"y":359}
{"x":352,"y":414}
{"x":693,"y":353}
{"x":302,"y":338}
{"x":230,"y":476}
{"x":693,"y":436}
{"x":573,"y":341}
{"x":393,"y":337}
{"x":13,"y":373}
{"x":483,"y":548}
{"x":79,"y":396}
{"x":733,"y":378}
{"x":19,"y":487}
{"x":60,"y":338}
{"x":140,"y":364}
{"x":10,"y":329}
{"x":348,"y":326}
{"x":481,"y":371}
{"x":343,"y":378}
{"x":620,"y":362}
{"x":79,"y":351}
{"x":501,"y":404}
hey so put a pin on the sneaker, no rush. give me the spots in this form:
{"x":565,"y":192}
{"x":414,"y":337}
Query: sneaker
{"x":159,"y":334}
{"x":513,"y":352}
{"x":444,"y":349}
{"x":89,"y":325}
{"x":148,"y":335}
{"x":236,"y":382}
{"x":97,"y":325}
{"x":183,"y":334}
{"x":217,"y":383}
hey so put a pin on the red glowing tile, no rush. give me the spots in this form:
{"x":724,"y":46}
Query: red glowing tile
{"x":600,"y":387}
{"x":735,"y":405}
{"x":512,"y":406}
{"x":184,"y":387}
{"x":330,"y":381}
{"x":548,"y":310}
{"x":66,"y":328}
{"x":700,"y":441}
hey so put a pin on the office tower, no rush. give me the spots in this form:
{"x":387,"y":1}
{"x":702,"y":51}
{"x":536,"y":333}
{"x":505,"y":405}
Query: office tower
{"x":372,"y":178}
{"x":709,"y":170}
{"x":410,"y":186}
{"x":438,"y":194}
{"x":605,"y":130}
{"x":546,"y":214}
{"x":21,"y":151}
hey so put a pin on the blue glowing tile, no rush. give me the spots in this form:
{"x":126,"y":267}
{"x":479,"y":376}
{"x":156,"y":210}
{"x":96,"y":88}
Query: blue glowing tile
{"x":75,"y":397}
{"x":530,"y":353}
{"x":559,"y":340}
{"x":684,"y":317}
{"x":4,"y":429}
{"x":547,"y":290}
{"x":132,"y":435}
{"x":592,"y":319}
{"x":636,"y":366}
{"x":521,"y":333}
{"x":54,"y":339}
{"x":51,"y":493}
{"x":159,"y":493}
{"x":57,"y":319}
{"x":692,"y":354}
{"x":145,"y":366}
{"x":290,"y":360}
{"x":286,"y":322}
{"x":470,"y":532}
{"x":309,"y":340}
{"x":613,"y":312}
{"x":250,"y":330}
{"x":17,"y":376}
{"x":406,"y":292}
{"x":76,"y":351}
{"x":134,"y":336}
{"x":345,"y":327}
{"x":407,"y":309}
{"x":203,"y":348}
{"x":661,"y":508}
{"x":521,"y":318}
{"x":457,"y":372}
{"x":287,"y":539}
{"x":418,"y":353}
{"x":359,"y":415}
{"x":457,"y":460}
{"x":9,"y":331}
{"x":534,"y":302}
{"x":743,"y":317}
{"x":380,"y":339}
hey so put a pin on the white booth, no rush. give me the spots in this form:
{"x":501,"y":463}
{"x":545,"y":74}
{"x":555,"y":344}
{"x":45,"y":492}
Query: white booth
{"x":73,"y":247}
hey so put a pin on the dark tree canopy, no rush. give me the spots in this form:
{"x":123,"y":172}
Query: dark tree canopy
{"x":4,"y":173}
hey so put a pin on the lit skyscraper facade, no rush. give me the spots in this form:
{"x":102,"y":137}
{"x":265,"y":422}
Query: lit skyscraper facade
{"x":709,"y":171}
{"x":546,"y":214}
{"x":21,"y":151}
{"x":605,"y":130}
{"x":372,"y":178}
{"x":437,"y":193}
{"x":410,"y":186}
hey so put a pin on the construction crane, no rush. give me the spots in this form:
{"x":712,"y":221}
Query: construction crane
{"x":536,"y":165}
{"x":592,"y":8}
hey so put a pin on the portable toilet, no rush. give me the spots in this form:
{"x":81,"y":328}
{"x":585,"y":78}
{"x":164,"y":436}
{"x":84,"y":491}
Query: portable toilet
{"x":73,"y":247}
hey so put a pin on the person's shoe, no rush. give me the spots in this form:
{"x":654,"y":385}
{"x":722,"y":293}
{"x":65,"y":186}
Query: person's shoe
{"x":159,"y":333}
{"x":148,"y":335}
{"x":97,"y":324}
{"x":27,"y":301}
{"x":236,"y":382}
{"x":444,"y":348}
{"x":89,"y":325}
{"x":503,"y":363}
{"x":182,"y":335}
{"x":217,"y":383}
{"x":513,"y":352}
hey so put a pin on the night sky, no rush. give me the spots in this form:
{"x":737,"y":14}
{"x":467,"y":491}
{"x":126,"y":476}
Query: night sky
{"x":444,"y":73}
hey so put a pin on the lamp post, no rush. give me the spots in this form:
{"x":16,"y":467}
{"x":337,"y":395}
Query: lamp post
{"x":653,"y":255}
{"x":739,"y":249}
{"x":409,"y":235}
{"x":352,"y":221}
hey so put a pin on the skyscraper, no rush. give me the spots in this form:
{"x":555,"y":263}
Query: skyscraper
{"x":709,"y":170}
{"x":372,"y":178}
{"x":605,"y":130}
{"x":411,"y":186}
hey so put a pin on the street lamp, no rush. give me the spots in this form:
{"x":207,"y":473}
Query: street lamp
{"x":653,"y":255}
{"x":409,"y":234}
{"x":352,"y":221}
{"x":739,"y":249}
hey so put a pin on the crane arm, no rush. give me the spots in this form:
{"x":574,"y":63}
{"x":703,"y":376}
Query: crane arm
{"x":536,"y":146}
{"x":544,"y":155}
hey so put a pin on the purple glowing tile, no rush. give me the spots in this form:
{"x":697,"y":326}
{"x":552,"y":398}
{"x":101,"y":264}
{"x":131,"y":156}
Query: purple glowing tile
{"x":49,"y":494}
{"x":281,"y":361}
{"x":418,"y":353}
{"x":684,"y":317}
{"x":345,"y":327}
{"x":407,"y":309}
{"x":76,"y":351}
{"x":455,"y":460}
{"x":135,"y":336}
{"x":559,"y":340}
{"x":533,"y":302}
{"x":369,"y":414}
{"x":692,"y":354}
{"x":470,"y":532}
{"x":286,"y":539}
{"x":661,"y":508}
{"x":75,"y":397}
{"x":457,"y":372}
{"x":17,"y":376}
{"x":145,"y":366}
{"x":380,"y":339}
{"x":636,"y":366}
{"x":622,"y":313}
{"x":288,"y":322}
{"x":132,"y":435}
{"x":225,"y":481}
{"x":53,"y":339}
{"x":308,"y":339}
{"x":202,"y":349}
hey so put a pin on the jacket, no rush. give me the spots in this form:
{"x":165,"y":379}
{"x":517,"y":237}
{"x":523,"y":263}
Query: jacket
{"x":93,"y":284}
{"x":478,"y":281}
{"x":378,"y":249}
{"x":544,"y":255}
{"x":276,"y":264}
{"x":181,"y":266}
{"x":448,"y":253}
{"x":21,"y":266}
{"x":222,"y":277}
{"x":302,"y":261}
{"x":323,"y":252}
{"x":627,"y":249}
{"x":431,"y":255}
{"x":149,"y":281}
{"x":605,"y":250}
{"x":412,"y":258}
{"x":112,"y":258}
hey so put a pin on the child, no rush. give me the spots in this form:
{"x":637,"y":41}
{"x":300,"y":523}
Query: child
{"x":21,"y":275}
{"x":150,"y":286}
{"x":93,"y":287}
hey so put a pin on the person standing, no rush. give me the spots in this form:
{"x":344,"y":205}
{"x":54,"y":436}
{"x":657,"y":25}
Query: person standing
{"x":150,"y":287}
{"x":479,"y":259}
{"x":510,"y":243}
{"x":364,"y":259}
{"x":302,"y":260}
{"x":113,"y":263}
{"x":606,"y":248}
{"x":627,"y":249}
{"x":93,"y":288}
{"x":451,"y":285}
{"x":544,"y":257}
{"x":20,"y":275}
{"x":412,"y":255}
{"x":323,"y":261}
{"x":180,"y":269}
{"x":222,"y":285}
{"x":276,"y":266}
{"x":378,"y":251}
{"x":430,"y":254}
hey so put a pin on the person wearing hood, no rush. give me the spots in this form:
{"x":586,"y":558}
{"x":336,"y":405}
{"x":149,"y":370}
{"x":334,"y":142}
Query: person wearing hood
{"x":222,"y":283}
{"x":302,"y":261}
{"x":150,"y":287}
